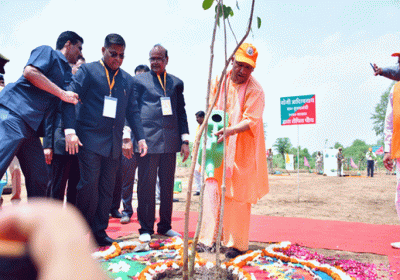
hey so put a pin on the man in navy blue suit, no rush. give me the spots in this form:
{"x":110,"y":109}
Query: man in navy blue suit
{"x":95,"y":133}
{"x":25,"y":104}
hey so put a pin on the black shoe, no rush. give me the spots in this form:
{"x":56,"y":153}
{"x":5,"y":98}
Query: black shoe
{"x":116,"y":215}
{"x":197,"y":193}
{"x":233,"y":253}
{"x":104,"y":241}
{"x":201,"y":248}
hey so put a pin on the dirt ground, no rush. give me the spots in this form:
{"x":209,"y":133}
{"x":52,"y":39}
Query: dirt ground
{"x":307,"y":195}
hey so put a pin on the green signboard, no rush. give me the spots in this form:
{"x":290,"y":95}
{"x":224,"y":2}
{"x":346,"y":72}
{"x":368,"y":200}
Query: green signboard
{"x":297,"y":110}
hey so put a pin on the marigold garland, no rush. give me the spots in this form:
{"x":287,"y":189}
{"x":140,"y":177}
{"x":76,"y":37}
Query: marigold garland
{"x":235,"y":265}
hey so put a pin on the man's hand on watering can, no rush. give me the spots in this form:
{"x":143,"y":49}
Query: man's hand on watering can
{"x":220,"y":134}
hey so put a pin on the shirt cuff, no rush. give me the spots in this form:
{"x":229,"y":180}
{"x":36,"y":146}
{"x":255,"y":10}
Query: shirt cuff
{"x":185,"y":137}
{"x":68,"y":131}
{"x":126,"y":133}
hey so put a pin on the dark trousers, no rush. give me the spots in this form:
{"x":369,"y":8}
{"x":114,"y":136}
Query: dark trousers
{"x":370,"y":168}
{"x":124,"y":186}
{"x":147,"y":175}
{"x":64,"y":168}
{"x":17,"y":138}
{"x":95,"y":189}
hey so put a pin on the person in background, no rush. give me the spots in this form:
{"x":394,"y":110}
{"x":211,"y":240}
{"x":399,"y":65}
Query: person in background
{"x":64,"y":167}
{"x":246,"y":176}
{"x":370,"y":155}
{"x":14,"y":169}
{"x":2,"y":83}
{"x":392,"y":73}
{"x":78,"y":64}
{"x":270,"y":161}
{"x":3,"y":61}
{"x":162,"y":108}
{"x":339,"y":160}
{"x":197,"y":171}
{"x":95,"y":133}
{"x":126,"y":174}
{"x":318,"y":163}
{"x":25,"y":104}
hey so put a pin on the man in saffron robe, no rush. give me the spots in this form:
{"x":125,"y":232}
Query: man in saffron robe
{"x":246,"y":165}
{"x":392,"y":141}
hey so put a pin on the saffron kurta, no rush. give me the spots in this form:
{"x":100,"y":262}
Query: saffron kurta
{"x":248,"y":179}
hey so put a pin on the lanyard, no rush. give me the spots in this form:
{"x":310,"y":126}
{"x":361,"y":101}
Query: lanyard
{"x":165,"y":82}
{"x":111,"y":85}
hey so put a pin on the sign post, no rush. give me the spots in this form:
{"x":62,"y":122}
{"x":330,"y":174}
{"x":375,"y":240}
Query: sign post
{"x":297,"y":110}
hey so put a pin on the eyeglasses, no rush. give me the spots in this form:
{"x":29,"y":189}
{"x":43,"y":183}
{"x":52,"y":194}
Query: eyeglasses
{"x":115,"y":54}
{"x":156,"y":59}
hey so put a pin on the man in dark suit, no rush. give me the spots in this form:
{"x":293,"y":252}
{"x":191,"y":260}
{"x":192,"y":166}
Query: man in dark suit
{"x":25,"y":104}
{"x":162,"y":108}
{"x":106,"y":92}
{"x":126,"y":174}
{"x":63,"y":167}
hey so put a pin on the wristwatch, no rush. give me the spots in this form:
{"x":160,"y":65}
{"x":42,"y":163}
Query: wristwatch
{"x":185,"y":142}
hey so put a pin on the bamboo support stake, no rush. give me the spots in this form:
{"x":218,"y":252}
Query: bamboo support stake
{"x":196,"y":147}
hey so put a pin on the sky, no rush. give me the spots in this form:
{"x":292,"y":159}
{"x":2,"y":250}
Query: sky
{"x":305,"y":47}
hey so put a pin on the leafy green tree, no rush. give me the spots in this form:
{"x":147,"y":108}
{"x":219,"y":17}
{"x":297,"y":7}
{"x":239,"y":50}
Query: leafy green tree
{"x":302,"y":153}
{"x":380,"y":112}
{"x":337,"y":145}
{"x":283,"y":146}
{"x":357,"y":151}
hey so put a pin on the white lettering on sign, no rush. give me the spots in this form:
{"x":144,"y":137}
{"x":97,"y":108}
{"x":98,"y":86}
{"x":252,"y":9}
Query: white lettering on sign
{"x":286,"y":102}
{"x":309,"y":120}
{"x":303,"y":100}
{"x":297,"y":120}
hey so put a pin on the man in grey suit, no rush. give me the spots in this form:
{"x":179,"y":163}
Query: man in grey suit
{"x":162,"y":108}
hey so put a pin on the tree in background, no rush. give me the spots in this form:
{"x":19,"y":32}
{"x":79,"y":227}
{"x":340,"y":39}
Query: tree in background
{"x":357,"y":151}
{"x":302,"y":153}
{"x":337,"y":145}
{"x":380,"y":112}
{"x":283,"y":145}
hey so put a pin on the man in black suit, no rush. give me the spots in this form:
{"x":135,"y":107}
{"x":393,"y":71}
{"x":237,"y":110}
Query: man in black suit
{"x":63,"y":167}
{"x":25,"y":104}
{"x":106,"y":92}
{"x":162,"y":108}
{"x":126,"y":174}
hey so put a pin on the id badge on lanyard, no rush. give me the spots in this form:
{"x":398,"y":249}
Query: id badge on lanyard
{"x":110,"y":107}
{"x":165,"y":101}
{"x":110,"y":103}
{"x":166,"y":106}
